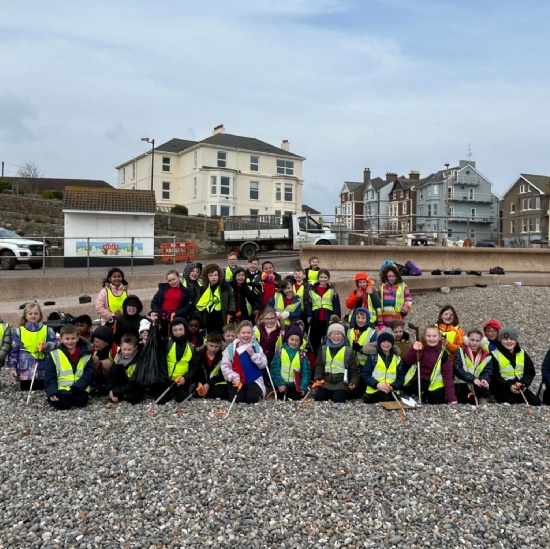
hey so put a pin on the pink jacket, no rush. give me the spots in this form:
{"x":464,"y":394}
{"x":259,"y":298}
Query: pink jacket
{"x":102,"y":305}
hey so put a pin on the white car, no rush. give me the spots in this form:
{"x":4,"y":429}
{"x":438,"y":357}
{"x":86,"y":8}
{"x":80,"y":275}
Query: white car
{"x":15,"y":250}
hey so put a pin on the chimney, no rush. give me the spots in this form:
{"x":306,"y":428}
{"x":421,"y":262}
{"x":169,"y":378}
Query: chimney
{"x":285,"y":145}
{"x":218,"y":129}
{"x":390,"y":176}
{"x":366,"y":175}
{"x":414,"y":176}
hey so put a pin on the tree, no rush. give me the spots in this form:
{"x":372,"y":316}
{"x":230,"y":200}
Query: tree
{"x":30,"y":172}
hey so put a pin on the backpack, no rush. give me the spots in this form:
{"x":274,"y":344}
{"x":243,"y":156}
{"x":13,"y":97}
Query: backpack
{"x":403,"y":270}
{"x":496,"y":271}
{"x":415,"y":271}
{"x":453,"y":271}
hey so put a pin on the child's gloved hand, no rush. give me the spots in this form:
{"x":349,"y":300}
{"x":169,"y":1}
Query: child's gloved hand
{"x":285,"y":315}
{"x":13,"y":373}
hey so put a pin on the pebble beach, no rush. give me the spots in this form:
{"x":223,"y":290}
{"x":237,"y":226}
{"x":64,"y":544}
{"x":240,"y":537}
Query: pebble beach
{"x":272,"y":475}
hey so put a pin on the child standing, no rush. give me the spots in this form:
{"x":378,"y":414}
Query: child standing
{"x":119,"y":383}
{"x":210,"y":373}
{"x":270,"y":282}
{"x":192,"y":281}
{"x":5,"y":338}
{"x":324,"y":303}
{"x":246,"y":301}
{"x":436,"y":370}
{"x":196,"y":332}
{"x":395,"y":297}
{"x":361,"y":333}
{"x":472,"y":366}
{"x":337,"y":366}
{"x":290,"y":368}
{"x":513,"y":370}
{"x":216,"y":306}
{"x":313,"y":271}
{"x":383,"y":371}
{"x":229,"y":334}
{"x":229,"y":271}
{"x":29,"y":342}
{"x":243,"y":362}
{"x":111,"y":297}
{"x":69,"y":371}
{"x":451,"y":332}
{"x":127,"y":322}
{"x":286,"y":303}
{"x":365,"y":295}
{"x":268,"y":333}
{"x":182,"y":363}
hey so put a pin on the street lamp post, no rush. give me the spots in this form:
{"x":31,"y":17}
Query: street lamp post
{"x":152,"y":142}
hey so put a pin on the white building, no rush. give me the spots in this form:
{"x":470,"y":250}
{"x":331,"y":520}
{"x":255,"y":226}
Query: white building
{"x":223,"y":175}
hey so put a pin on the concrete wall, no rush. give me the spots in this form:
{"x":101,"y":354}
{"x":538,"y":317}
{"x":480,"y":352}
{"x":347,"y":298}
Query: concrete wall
{"x":355,"y":258}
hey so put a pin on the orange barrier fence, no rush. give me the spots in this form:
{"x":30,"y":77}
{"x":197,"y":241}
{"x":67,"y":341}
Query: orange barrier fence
{"x":182,"y":251}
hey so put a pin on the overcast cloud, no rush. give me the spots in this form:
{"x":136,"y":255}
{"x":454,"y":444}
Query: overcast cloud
{"x":393,"y":85}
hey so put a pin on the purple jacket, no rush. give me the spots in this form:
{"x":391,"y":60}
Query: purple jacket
{"x":428,"y":358}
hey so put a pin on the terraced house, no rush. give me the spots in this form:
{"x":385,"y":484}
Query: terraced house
{"x":221,"y":175}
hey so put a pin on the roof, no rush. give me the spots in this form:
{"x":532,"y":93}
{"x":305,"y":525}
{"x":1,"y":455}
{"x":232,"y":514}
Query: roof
{"x":226,"y":140}
{"x":56,"y":184}
{"x":377,"y":183}
{"x":540,"y":182}
{"x":308,"y":210}
{"x":109,"y":200}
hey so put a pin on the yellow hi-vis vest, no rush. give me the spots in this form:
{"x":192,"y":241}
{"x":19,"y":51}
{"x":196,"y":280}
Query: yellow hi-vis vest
{"x":470,"y":367}
{"x":436,"y":379}
{"x":383,"y":373}
{"x":215,"y":371}
{"x":210,"y":301}
{"x":113,"y":302}
{"x":288,"y":366}
{"x":364,"y":337}
{"x":30,"y":340}
{"x":300,"y":293}
{"x":450,"y":336}
{"x":229,"y":273}
{"x":324,"y":302}
{"x":399,"y":298}
{"x":66,"y":376}
{"x":507,"y":371}
{"x":177,"y":368}
{"x":130,"y":369}
{"x":185,"y":282}
{"x":280,"y":307}
{"x":336,"y":364}
{"x":312,"y":276}
{"x":3,"y":328}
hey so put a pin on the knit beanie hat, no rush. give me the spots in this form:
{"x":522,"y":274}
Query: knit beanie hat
{"x":509,"y":333}
{"x":385,"y":335}
{"x":492,"y":324}
{"x":294,"y":330}
{"x":144,"y":325}
{"x":336,"y":327}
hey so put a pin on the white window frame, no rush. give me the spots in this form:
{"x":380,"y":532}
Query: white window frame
{"x":166,"y":164}
{"x":436,"y":189}
{"x":221,"y":159}
{"x":166,"y":190}
{"x":133,"y":170}
{"x":195,"y":159}
{"x":289,"y":192}
{"x":213,"y":210}
{"x":225,"y":186}
{"x":512,"y":226}
{"x":254,"y":190}
{"x":225,"y":211}
{"x":471,"y":195}
{"x":525,"y":225}
{"x":194,"y":187}
{"x":473,"y":214}
{"x":285,"y":167}
{"x":254,"y":163}
{"x":404,"y":207}
{"x":537,"y":203}
{"x":435,"y":208}
{"x":278,"y":192}
{"x":254,"y":212}
{"x":214,"y":185}
{"x":512,"y":207}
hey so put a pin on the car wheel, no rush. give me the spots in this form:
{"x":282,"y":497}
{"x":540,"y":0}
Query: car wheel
{"x":7,"y":260}
{"x":36,"y":265}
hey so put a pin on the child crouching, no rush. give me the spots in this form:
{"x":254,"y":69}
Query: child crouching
{"x":290,"y":367}
{"x":119,"y":383}
{"x":383,"y":371}
{"x":68,"y":372}
{"x":210,"y":373}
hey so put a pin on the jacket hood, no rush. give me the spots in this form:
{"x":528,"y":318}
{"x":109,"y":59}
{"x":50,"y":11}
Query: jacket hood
{"x":104,"y":333}
{"x":132,"y":300}
{"x":384,"y":274}
{"x":370,"y":320}
{"x":363,"y":276}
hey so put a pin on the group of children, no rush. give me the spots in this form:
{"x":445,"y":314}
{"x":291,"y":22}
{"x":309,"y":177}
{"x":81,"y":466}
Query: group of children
{"x":237,"y":333}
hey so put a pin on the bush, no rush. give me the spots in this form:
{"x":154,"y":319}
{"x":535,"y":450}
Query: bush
{"x":47,"y":194}
{"x":58,"y":195}
{"x":179,"y":209}
{"x":5,"y":186}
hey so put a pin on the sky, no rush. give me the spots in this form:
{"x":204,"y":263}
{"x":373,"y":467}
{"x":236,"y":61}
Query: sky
{"x":390,"y":85}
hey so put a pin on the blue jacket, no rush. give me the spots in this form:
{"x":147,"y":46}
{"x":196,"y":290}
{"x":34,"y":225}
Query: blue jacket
{"x":50,"y":371}
{"x":305,"y":369}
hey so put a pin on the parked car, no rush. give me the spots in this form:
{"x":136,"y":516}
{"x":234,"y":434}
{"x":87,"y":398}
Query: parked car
{"x":16,"y":250}
{"x":485,"y":244}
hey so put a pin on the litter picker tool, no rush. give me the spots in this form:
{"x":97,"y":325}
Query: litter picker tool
{"x":225,"y":414}
{"x":473,"y":393}
{"x":315,"y":385}
{"x":521,"y":388}
{"x":271,"y":381}
{"x":40,"y":347}
{"x":401,"y":409}
{"x":417,"y":337}
{"x":153,"y":410}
